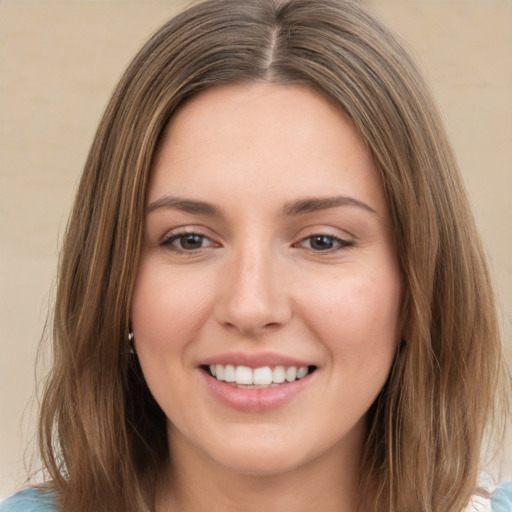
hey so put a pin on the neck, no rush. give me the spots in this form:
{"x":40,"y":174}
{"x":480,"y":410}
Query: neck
{"x":196,"y":483}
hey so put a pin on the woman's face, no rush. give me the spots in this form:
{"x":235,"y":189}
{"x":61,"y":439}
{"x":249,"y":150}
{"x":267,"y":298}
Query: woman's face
{"x":268,"y":254}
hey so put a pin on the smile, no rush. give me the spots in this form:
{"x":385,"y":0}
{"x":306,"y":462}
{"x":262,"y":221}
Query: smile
{"x":258,"y":378}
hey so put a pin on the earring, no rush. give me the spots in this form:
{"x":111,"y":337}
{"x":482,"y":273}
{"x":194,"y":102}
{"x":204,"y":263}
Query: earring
{"x":130,"y":341}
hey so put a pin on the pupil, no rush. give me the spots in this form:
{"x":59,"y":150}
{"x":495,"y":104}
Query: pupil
{"x":321,"y":242}
{"x":191,"y":241}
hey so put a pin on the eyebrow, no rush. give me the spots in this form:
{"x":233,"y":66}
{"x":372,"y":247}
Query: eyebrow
{"x":316,"y":204}
{"x":184,"y":205}
{"x":293,"y":208}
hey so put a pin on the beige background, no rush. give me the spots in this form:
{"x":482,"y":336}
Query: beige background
{"x":58,"y":63}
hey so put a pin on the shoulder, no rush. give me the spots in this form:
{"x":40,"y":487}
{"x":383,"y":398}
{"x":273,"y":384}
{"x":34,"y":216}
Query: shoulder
{"x":30,"y":500}
{"x":34,"y":500}
{"x":501,"y":499}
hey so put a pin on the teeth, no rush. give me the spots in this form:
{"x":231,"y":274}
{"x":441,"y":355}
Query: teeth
{"x":263,"y":376}
{"x":302,"y":372}
{"x":291,"y":373}
{"x":219,"y":372}
{"x":229,"y":373}
{"x":243,"y":375}
{"x":279,"y":374}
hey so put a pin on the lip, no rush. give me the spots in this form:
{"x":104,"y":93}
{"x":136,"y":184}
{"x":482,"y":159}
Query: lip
{"x":255,"y":360}
{"x":254,"y":400}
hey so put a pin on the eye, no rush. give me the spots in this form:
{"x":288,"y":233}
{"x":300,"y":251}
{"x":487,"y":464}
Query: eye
{"x":323,"y":243}
{"x":187,"y":242}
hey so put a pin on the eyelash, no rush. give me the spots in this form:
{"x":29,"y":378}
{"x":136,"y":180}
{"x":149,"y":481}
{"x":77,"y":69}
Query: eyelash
{"x":168,"y":242}
{"x":338,"y":243}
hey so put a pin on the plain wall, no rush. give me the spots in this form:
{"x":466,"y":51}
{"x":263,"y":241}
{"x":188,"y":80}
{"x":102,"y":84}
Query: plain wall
{"x":59,"y":61}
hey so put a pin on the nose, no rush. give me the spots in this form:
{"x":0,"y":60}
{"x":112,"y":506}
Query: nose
{"x":254,"y":297}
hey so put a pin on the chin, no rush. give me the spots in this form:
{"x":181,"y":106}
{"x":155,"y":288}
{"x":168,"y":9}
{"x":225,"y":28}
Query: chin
{"x":259,"y":463}
{"x":269,"y":452}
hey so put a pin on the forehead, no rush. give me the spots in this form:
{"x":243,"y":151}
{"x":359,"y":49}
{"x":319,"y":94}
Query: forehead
{"x":264,"y":112}
{"x":270,"y":138}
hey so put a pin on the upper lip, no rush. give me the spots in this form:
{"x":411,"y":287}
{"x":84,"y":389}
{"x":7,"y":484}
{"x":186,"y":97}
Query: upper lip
{"x":255,"y":360}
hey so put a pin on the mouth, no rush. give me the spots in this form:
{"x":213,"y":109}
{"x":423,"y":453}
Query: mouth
{"x":263,"y":377}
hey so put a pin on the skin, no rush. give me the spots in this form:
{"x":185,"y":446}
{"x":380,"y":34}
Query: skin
{"x":256,"y":283}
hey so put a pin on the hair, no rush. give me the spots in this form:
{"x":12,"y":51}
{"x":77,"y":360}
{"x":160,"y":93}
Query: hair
{"x":102,"y":436}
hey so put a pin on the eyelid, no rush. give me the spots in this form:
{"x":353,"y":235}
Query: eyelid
{"x":341,"y":241}
{"x":170,"y":236}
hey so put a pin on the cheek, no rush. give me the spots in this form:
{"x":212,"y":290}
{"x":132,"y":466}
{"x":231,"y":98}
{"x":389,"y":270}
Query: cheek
{"x":167,"y":308}
{"x":356,"y":318}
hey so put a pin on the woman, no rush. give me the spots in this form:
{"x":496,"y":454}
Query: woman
{"x":272,"y":293}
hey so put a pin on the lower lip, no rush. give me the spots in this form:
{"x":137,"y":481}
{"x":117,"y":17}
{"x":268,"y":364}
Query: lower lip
{"x":255,"y":400}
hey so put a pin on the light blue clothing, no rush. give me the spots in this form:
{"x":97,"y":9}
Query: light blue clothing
{"x":32,"y":500}
{"x":501,"y":498}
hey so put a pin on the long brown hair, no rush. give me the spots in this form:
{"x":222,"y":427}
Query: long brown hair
{"x":102,"y":436}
